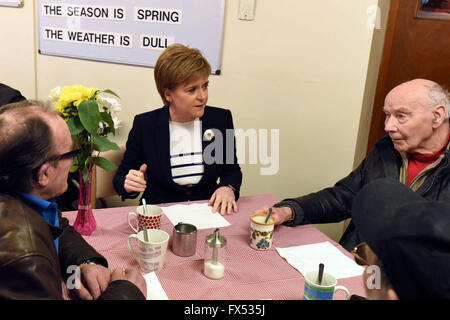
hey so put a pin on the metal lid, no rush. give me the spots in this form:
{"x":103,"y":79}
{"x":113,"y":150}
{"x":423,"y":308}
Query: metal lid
{"x":216,"y":240}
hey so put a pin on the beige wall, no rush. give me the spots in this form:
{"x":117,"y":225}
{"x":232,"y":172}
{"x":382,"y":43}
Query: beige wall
{"x":17,"y":48}
{"x":301,"y":67}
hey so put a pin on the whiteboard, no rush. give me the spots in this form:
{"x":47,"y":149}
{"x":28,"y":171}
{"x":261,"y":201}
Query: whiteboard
{"x":11,"y":3}
{"x":130,"y":32}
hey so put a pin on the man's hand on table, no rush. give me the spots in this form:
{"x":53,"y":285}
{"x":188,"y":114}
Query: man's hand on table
{"x":281,"y":214}
{"x":131,"y":275}
{"x":95,"y":279}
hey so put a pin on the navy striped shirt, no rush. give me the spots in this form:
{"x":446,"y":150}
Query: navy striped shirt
{"x":186,"y":154}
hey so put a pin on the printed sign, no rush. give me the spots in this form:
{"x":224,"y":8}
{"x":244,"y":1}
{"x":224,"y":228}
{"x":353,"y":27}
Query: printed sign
{"x":130,"y":32}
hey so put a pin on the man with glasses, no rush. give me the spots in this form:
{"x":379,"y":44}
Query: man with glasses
{"x":407,"y":243}
{"x":415,"y":152}
{"x":68,"y":200}
{"x":37,"y":245}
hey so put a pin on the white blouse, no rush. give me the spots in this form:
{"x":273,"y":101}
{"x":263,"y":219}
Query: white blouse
{"x":186,"y":154}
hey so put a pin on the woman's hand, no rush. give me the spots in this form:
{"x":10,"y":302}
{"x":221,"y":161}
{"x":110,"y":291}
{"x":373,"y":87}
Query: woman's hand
{"x":135,"y":180}
{"x":223,"y":199}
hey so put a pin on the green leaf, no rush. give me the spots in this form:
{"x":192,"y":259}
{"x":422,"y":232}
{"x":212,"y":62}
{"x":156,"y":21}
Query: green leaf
{"x":75,"y":126}
{"x":106,"y":117}
{"x":106,"y":131}
{"x":110,"y":92}
{"x":105,"y":164}
{"x":81,"y":159}
{"x":103,"y":144}
{"x":85,"y":172}
{"x":89,"y":115}
{"x":76,"y":141}
{"x":74,"y":168}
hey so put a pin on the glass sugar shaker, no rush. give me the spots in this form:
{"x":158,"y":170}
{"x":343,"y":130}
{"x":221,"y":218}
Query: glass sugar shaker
{"x":215,"y":253}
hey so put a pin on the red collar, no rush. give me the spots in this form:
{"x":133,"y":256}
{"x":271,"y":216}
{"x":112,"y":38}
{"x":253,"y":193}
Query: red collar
{"x":429,"y":157}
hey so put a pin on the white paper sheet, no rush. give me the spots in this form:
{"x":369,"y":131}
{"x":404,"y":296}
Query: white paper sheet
{"x":154,"y":289}
{"x":198,"y":214}
{"x":308,"y":257}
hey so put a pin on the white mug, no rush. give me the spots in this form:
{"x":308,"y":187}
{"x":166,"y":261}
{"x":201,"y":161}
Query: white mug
{"x":150,"y":253}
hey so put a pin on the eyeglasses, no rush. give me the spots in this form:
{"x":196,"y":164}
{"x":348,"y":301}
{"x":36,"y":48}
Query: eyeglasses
{"x":67,"y":155}
{"x":359,"y":253}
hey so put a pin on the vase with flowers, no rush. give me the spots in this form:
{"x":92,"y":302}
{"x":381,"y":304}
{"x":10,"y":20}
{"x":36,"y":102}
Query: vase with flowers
{"x":90,"y":116}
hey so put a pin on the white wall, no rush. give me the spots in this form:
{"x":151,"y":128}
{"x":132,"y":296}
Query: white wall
{"x":300,"y":67}
{"x":17,"y":48}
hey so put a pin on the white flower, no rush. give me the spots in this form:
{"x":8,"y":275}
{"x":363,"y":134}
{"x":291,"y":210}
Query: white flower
{"x":54,"y":94}
{"x":102,"y":126}
{"x":116,"y":122}
{"x":109,"y":104}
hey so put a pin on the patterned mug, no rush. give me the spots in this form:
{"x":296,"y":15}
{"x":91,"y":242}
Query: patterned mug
{"x":150,"y":254}
{"x":261,"y":233}
{"x":323,"y":291}
{"x":151,"y":221}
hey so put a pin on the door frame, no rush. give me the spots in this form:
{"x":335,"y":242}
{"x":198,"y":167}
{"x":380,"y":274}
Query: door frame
{"x":381,"y":90}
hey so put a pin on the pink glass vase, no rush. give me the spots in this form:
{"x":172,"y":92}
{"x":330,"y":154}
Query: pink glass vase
{"x":85,"y":222}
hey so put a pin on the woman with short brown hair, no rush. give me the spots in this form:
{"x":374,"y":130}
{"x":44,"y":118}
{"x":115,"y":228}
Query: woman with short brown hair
{"x":184,"y":147}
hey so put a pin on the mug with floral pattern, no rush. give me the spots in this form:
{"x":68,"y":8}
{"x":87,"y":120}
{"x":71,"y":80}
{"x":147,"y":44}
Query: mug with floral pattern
{"x":261,"y":233}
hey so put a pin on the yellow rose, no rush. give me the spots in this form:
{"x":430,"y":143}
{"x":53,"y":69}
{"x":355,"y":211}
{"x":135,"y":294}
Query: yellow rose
{"x":74,"y":94}
{"x":59,"y":106}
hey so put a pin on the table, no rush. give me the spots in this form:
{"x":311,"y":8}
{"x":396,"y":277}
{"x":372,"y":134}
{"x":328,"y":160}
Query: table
{"x":249,"y":274}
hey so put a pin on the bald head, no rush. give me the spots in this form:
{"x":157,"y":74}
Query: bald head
{"x":422,"y":92}
{"x":26,"y":139}
{"x":418,"y":82}
{"x":14,"y":116}
{"x":417,"y":114}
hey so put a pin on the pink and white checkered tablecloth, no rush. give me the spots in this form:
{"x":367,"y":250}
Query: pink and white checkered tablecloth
{"x":249,"y":274}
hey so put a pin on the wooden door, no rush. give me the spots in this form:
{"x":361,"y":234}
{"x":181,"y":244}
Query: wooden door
{"x":414,"y":48}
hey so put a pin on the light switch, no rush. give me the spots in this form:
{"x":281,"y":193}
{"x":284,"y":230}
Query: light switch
{"x":247,"y":9}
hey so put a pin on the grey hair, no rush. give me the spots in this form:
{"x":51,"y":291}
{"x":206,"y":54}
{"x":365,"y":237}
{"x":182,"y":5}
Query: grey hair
{"x":437,"y":95}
